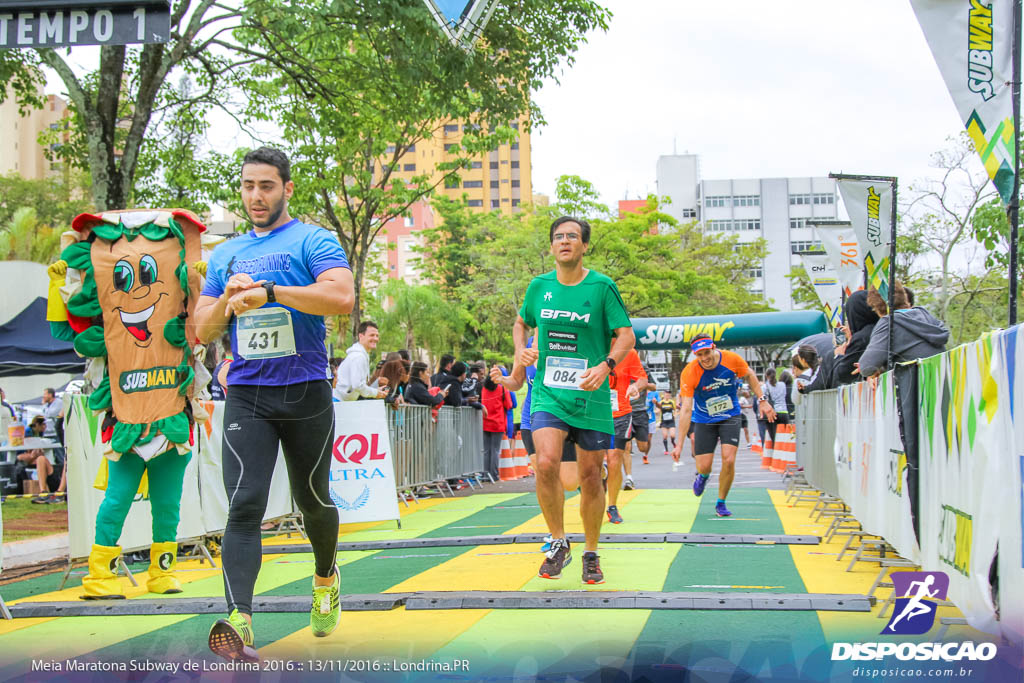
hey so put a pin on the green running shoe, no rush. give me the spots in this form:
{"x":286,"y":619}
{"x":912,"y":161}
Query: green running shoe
{"x":326,"y":611}
{"x":233,"y":638}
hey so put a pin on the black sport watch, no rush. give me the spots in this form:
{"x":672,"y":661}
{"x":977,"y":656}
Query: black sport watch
{"x":269,"y":286}
{"x":611,"y":362}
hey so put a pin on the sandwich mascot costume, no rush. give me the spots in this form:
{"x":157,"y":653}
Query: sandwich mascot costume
{"x":124,"y":294}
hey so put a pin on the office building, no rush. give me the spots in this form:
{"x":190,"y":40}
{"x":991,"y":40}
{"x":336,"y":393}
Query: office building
{"x":776,"y":209}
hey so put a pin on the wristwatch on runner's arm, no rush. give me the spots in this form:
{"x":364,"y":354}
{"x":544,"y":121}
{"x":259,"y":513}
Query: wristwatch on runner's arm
{"x":269,"y":286}
{"x":610,"y":362}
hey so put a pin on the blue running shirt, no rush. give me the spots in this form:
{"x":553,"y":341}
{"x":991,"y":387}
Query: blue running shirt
{"x":715,"y":392}
{"x":294,"y":254}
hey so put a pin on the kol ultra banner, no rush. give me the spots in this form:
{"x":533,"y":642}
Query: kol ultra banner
{"x":971,"y":41}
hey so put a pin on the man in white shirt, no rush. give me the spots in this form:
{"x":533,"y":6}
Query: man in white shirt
{"x":354,"y":371}
{"x":53,"y":411}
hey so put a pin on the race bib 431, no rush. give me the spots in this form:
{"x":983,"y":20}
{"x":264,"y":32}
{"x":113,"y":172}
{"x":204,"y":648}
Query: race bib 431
{"x":265,"y":333}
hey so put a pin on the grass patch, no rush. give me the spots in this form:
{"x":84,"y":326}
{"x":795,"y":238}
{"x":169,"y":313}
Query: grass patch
{"x":24,"y":519}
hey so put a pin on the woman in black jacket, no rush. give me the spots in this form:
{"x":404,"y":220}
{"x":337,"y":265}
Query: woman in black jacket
{"x":860,"y":319}
{"x":417,"y":392}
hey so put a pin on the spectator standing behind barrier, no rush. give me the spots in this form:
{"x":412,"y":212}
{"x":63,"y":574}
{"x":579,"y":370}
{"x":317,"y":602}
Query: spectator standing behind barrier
{"x":394,"y":373}
{"x":451,"y":380}
{"x":805,"y":369}
{"x":354,"y":371}
{"x":824,"y":346}
{"x":495,"y":399}
{"x":918,"y":334}
{"x":417,"y":392}
{"x":860,"y":321}
{"x":775,"y":392}
{"x":443,"y":368}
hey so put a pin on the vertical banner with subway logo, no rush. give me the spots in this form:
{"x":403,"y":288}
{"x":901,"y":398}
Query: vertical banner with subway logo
{"x":844,"y":252}
{"x":826,"y":285}
{"x":362,"y":469}
{"x":869,"y":205}
{"x":965,"y":446}
{"x":971,"y":41}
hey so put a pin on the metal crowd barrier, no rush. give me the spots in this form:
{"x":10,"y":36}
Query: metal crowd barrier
{"x":426,"y":453}
{"x":815,"y":439}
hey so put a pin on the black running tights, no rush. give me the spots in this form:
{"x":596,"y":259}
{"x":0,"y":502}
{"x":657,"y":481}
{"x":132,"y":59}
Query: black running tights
{"x":256,"y":418}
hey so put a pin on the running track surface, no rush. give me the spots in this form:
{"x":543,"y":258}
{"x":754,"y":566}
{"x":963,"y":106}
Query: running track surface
{"x":512,"y":644}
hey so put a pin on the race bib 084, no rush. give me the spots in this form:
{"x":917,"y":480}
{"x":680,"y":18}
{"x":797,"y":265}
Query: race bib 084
{"x":265,"y":333}
{"x":564,"y":373}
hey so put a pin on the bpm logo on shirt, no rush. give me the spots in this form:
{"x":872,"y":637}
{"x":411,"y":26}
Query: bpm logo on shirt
{"x":914,"y":611}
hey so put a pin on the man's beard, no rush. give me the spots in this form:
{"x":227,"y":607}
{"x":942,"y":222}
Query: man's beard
{"x":274,"y":213}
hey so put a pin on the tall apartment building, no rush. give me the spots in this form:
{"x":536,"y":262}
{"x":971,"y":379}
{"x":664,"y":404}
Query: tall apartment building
{"x":496,"y":181}
{"x":499,"y":180}
{"x":776,"y":209}
{"x":22,"y":153}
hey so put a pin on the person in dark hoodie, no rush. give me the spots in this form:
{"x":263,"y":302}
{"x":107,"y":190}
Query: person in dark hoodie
{"x":918,"y":334}
{"x":860,"y":322}
{"x":451,"y":380}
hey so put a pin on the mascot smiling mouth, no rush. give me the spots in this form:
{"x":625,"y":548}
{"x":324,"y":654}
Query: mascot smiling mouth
{"x":137,"y":324}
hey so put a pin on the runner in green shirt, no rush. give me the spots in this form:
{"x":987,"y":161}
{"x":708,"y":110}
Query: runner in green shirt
{"x":577,"y":312}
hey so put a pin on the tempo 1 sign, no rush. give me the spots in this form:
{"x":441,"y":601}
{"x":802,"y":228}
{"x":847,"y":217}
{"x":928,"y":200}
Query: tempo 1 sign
{"x":57,"y":23}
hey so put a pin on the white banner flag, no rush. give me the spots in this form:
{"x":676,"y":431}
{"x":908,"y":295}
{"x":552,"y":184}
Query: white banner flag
{"x":971,"y":41}
{"x":840,"y":243}
{"x":869,"y":205}
{"x":826,"y":285}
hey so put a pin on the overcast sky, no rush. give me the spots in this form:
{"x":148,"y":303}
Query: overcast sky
{"x":757,"y":89}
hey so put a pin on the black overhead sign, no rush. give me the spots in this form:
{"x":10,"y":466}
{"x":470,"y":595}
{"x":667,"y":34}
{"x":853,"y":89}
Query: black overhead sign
{"x":56,"y":23}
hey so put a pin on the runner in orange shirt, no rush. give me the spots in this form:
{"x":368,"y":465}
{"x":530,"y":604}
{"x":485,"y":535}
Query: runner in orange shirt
{"x":709,"y":385}
{"x":626,"y":380}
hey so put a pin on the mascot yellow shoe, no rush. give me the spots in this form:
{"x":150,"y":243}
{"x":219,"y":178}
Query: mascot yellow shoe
{"x":163,"y":559}
{"x":102,"y":583}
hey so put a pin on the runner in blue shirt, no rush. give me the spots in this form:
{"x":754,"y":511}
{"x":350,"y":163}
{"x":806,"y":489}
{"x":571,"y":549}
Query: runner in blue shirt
{"x":271,"y":288}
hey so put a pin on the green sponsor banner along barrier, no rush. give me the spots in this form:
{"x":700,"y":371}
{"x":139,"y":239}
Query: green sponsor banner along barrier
{"x":741,"y":329}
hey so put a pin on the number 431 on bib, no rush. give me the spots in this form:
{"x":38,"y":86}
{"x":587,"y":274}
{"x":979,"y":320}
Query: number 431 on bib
{"x":265,"y":333}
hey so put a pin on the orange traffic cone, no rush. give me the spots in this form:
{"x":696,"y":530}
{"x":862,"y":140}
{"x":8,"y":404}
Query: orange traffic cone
{"x":507,"y":463}
{"x":521,"y":459}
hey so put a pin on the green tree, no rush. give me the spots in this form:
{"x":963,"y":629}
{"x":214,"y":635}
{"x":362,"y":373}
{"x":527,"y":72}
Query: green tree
{"x":365,"y":82}
{"x":56,"y":202}
{"x":114,"y":101}
{"x":679,"y":271}
{"x":417,"y":317}
{"x":24,"y":239}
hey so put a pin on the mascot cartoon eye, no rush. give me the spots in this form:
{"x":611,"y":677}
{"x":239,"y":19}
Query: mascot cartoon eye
{"x":124,"y":276}
{"x":147,"y":270}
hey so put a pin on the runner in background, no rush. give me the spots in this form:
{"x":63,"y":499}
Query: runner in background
{"x":627,"y":380}
{"x":641,"y":430}
{"x":709,"y":385}
{"x":667,"y":410}
{"x":652,"y":420}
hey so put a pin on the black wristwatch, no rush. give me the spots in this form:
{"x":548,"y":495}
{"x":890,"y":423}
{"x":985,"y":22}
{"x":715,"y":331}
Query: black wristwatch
{"x":269,"y":286}
{"x":611,"y":362}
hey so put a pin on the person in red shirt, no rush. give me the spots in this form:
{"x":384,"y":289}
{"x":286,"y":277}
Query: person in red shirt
{"x":627,"y":380}
{"x":496,"y":399}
